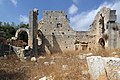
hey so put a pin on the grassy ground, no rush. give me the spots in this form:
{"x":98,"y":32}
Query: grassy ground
{"x":60,"y":66}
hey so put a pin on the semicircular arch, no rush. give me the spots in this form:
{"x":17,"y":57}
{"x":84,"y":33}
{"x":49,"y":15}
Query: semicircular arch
{"x":21,"y":30}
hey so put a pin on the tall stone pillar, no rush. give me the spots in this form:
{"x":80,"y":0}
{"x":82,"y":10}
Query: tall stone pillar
{"x":33,"y":26}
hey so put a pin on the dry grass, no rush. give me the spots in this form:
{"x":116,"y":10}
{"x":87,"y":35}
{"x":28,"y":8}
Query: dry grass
{"x":61,"y":66}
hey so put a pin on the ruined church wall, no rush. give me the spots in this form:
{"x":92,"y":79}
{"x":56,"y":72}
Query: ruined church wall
{"x":59,"y":37}
{"x":58,"y":43}
{"x":56,"y":22}
{"x":56,"y":29}
{"x":110,"y":28}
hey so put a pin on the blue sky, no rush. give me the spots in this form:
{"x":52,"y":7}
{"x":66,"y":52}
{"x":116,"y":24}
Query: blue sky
{"x":80,"y":12}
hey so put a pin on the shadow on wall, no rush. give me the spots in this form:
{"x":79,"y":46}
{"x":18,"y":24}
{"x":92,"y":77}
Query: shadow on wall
{"x":45,"y":42}
{"x":56,"y":47}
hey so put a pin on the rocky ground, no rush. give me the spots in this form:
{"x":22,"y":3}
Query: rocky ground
{"x":59,"y":66}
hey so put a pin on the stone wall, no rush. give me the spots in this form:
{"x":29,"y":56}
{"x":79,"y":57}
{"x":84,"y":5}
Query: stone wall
{"x":60,"y":37}
{"x":56,"y":35}
{"x":56,"y":23}
{"x":105,"y":26}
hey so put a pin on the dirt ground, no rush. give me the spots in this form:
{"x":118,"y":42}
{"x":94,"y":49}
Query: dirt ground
{"x":58,"y":66}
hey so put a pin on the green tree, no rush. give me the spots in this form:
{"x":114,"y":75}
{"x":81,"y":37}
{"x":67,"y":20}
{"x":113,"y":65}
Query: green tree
{"x":13,"y":24}
{"x":10,"y":29}
{"x":0,"y":23}
{"x":22,"y":25}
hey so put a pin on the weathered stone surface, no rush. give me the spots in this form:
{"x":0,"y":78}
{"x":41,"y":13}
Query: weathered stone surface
{"x":19,"y":51}
{"x":103,"y":67}
{"x":96,"y":67}
{"x":112,"y":66}
{"x":46,"y":78}
{"x":54,"y":34}
{"x":27,"y":48}
{"x":33,"y":31}
{"x":118,"y":75}
{"x":33,"y":59}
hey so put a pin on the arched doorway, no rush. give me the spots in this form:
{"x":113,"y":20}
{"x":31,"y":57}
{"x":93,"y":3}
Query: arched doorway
{"x":23,"y":36}
{"x":101,"y":42}
{"x":77,"y":45}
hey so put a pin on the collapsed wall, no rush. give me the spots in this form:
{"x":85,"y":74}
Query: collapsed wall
{"x":53,"y":34}
{"x":103,"y":32}
{"x":58,"y":36}
{"x":105,"y":26}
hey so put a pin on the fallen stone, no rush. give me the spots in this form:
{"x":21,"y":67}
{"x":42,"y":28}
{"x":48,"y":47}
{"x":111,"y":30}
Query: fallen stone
{"x":27,"y":48}
{"x":25,"y":58}
{"x":33,"y":59}
{"x":112,"y":66}
{"x":46,"y":78}
{"x":118,"y":75}
{"x":19,"y":51}
{"x":96,"y":67}
{"x":46,"y":63}
{"x":103,"y":68}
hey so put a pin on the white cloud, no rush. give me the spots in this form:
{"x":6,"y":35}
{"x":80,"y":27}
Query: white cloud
{"x":81,"y":21}
{"x":14,"y":2}
{"x":24,"y":19}
{"x":73,"y":9}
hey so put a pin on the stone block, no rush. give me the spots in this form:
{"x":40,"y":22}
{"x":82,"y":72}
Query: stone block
{"x":33,"y":59}
{"x":96,"y":68}
{"x":103,"y":68}
{"x":112,"y":66}
{"x":118,"y":75}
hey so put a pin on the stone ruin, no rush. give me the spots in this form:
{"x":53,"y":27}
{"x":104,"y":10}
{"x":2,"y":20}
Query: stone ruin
{"x":53,"y":33}
{"x":104,"y":68}
{"x":58,"y":36}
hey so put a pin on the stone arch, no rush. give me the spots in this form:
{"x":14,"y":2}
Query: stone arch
{"x":40,"y":34}
{"x":21,"y":30}
{"x":102,"y":42}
